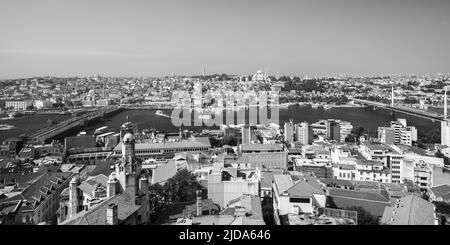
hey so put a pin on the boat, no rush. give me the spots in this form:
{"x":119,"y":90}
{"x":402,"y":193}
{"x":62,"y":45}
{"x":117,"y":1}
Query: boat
{"x":159,"y":113}
{"x":15,"y":114}
{"x":29,"y":112}
{"x":6,"y":127}
{"x":82,"y":133}
{"x":101,"y":130}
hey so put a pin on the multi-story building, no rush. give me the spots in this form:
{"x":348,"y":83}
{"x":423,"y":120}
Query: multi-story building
{"x":265,"y":156}
{"x":387,"y":155}
{"x":227,"y":184}
{"x":333,"y":130}
{"x":320,"y":127}
{"x":39,"y":193}
{"x":166,"y":149}
{"x":401,"y":133}
{"x":289,"y":131}
{"x":304,"y":196}
{"x":43,"y":104}
{"x":386,"y":135}
{"x":18,"y":105}
{"x":345,"y":128}
{"x":303,"y":133}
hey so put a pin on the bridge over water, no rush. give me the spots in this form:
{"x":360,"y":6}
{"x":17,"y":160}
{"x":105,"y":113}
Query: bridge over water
{"x":50,"y":132}
{"x":434,"y":116}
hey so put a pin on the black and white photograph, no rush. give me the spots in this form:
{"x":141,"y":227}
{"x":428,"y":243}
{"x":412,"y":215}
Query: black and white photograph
{"x":188,"y":114}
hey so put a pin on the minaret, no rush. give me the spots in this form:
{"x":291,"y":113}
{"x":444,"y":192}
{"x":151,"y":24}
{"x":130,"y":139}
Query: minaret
{"x":445,"y":102}
{"x":392,"y":96}
{"x":203,"y":73}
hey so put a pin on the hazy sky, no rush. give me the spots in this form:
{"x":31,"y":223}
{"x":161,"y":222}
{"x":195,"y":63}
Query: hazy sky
{"x":146,"y":38}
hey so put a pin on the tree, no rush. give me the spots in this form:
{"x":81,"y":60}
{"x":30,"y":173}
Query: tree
{"x":180,"y":188}
{"x":364,"y":217}
{"x":229,"y":140}
{"x":350,"y":138}
{"x":441,"y":155}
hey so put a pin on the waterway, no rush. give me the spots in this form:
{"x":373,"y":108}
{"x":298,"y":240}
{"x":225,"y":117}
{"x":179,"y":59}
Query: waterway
{"x":365,"y":117}
{"x":27,"y":124}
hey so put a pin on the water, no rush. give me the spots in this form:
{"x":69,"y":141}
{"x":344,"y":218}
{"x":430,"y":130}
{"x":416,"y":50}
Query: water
{"x":359,"y":116}
{"x":27,"y":124}
{"x":145,"y":119}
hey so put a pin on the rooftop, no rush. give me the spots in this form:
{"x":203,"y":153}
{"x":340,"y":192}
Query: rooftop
{"x":409,"y":210}
{"x":262,"y":147}
{"x":97,"y":214}
{"x":199,"y":142}
{"x":282,"y":182}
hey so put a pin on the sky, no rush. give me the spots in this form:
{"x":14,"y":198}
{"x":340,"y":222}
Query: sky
{"x":163,"y":37}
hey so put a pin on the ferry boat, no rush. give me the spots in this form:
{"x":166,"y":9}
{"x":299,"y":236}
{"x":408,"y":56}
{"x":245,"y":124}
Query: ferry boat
{"x":29,"y":112}
{"x":82,"y":133}
{"x":6,"y":127}
{"x":15,"y":114}
{"x":101,"y":130}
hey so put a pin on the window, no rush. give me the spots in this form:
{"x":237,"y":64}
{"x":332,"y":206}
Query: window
{"x":299,"y":200}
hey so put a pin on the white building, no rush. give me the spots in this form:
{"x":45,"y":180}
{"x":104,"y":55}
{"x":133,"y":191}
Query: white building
{"x":445,"y":133}
{"x":403,"y":134}
{"x":304,"y":133}
{"x":289,"y":197}
{"x":289,"y":131}
{"x":225,"y":185}
{"x":345,"y":128}
{"x":387,"y":155}
{"x":43,"y":104}
{"x":18,"y":105}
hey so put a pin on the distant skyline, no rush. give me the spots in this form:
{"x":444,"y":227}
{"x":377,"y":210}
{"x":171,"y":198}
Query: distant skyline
{"x":158,"y":38}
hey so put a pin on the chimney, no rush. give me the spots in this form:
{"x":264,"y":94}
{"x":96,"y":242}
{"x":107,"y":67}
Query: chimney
{"x":143,"y":184}
{"x":73,"y":196}
{"x":111,"y":186}
{"x":111,"y":214}
{"x":199,"y":203}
